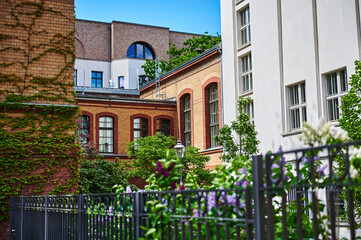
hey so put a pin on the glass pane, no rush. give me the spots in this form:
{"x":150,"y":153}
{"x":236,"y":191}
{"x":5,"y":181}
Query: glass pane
{"x":303,"y":92}
{"x":148,"y":54}
{"x":121,"y":82}
{"x":131,"y":51}
{"x":140,"y":51}
{"x":106,"y":122}
{"x":343,"y":80}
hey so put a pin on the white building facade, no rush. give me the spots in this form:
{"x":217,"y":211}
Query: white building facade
{"x":293,"y":58}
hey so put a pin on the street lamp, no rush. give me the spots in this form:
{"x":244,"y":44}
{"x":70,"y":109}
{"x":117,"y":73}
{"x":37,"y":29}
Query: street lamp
{"x":179,"y":150}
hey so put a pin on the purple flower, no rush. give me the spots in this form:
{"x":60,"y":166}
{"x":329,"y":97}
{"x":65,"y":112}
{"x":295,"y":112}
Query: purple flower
{"x":174,"y":186}
{"x":280,"y":149}
{"x":321,"y":170}
{"x":316,"y":158}
{"x":181,"y":186}
{"x":128,"y":189}
{"x":159,"y":169}
{"x":211,"y":200}
{"x":243,"y":170}
{"x":166,"y":173}
{"x":273,"y":166}
{"x":232,"y":199}
{"x":304,"y":160}
{"x":244,"y":183}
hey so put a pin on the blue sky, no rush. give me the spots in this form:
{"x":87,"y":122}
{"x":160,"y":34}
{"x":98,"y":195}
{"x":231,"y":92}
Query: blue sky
{"x":194,"y":16}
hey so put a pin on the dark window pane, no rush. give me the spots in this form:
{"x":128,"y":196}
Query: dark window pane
{"x":163,"y":126}
{"x":131,"y":51}
{"x":140,"y":50}
{"x":148,"y":54}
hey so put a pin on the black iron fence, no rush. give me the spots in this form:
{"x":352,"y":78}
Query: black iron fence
{"x":301,"y":194}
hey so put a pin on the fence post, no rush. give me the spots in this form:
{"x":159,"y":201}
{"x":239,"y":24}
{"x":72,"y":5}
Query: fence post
{"x":79,"y":222}
{"x":46,"y":203}
{"x":259,"y":200}
{"x":136,"y":213}
{"x":12,"y":219}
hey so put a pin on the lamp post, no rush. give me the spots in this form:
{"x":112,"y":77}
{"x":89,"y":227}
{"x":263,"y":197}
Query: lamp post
{"x":179,"y":150}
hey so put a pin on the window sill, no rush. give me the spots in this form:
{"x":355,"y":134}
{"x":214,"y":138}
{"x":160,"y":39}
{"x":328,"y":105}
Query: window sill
{"x":292,"y":133}
{"x":245,"y":94}
{"x":239,"y":1}
{"x":211,"y":150}
{"x":243,"y":46}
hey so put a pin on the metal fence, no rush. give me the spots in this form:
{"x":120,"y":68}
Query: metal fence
{"x":275,"y":207}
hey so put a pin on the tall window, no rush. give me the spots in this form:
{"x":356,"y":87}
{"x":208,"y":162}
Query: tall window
{"x":140,"y":127}
{"x":187,"y":120}
{"x":213,"y":114}
{"x":75,"y":77}
{"x":336,"y":87}
{"x":106,"y":135}
{"x":163,"y":126}
{"x":140,"y":50}
{"x":246,"y":83}
{"x":245,"y":27}
{"x":97,"y":79}
{"x":121,"y":82}
{"x":84,"y":129}
{"x":297,"y":105}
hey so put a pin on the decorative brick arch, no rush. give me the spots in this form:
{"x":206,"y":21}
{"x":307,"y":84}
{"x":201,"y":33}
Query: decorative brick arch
{"x":139,"y":115}
{"x":91,"y":124}
{"x":180,"y":110}
{"x":115,"y":118}
{"x":163,"y":117}
{"x":205,"y":96}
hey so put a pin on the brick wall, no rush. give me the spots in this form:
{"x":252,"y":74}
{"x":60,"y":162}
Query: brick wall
{"x":178,"y":38}
{"x":193,"y":79}
{"x":52,"y":34}
{"x":123,"y":110}
{"x":50,"y":25}
{"x":92,"y":39}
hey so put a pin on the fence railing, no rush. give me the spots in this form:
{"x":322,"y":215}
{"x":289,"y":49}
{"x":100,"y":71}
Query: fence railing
{"x":293,"y":196}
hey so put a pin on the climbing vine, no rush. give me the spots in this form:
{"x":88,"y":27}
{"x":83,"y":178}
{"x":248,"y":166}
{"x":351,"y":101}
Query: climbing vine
{"x":38,"y":151}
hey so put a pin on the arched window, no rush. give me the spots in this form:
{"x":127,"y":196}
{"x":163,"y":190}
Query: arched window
{"x":140,"y":50}
{"x":213,"y":114}
{"x":106,"y":134}
{"x":84,"y":129}
{"x":163,"y":126}
{"x":187,"y":120}
{"x":140,"y":128}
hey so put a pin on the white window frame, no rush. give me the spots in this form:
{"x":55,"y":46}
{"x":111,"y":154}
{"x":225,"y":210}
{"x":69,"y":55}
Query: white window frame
{"x":297,"y":105}
{"x":106,"y":134}
{"x":245,"y":79}
{"x":244,"y":34}
{"x":335,"y":86}
{"x":249,"y":109}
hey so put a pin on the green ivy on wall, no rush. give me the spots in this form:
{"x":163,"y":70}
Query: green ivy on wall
{"x":37,"y":115}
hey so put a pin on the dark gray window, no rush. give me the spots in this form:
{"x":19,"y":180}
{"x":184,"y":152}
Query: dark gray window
{"x":163,"y":126}
{"x":84,"y":129}
{"x":75,"y":77}
{"x":140,"y":50}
